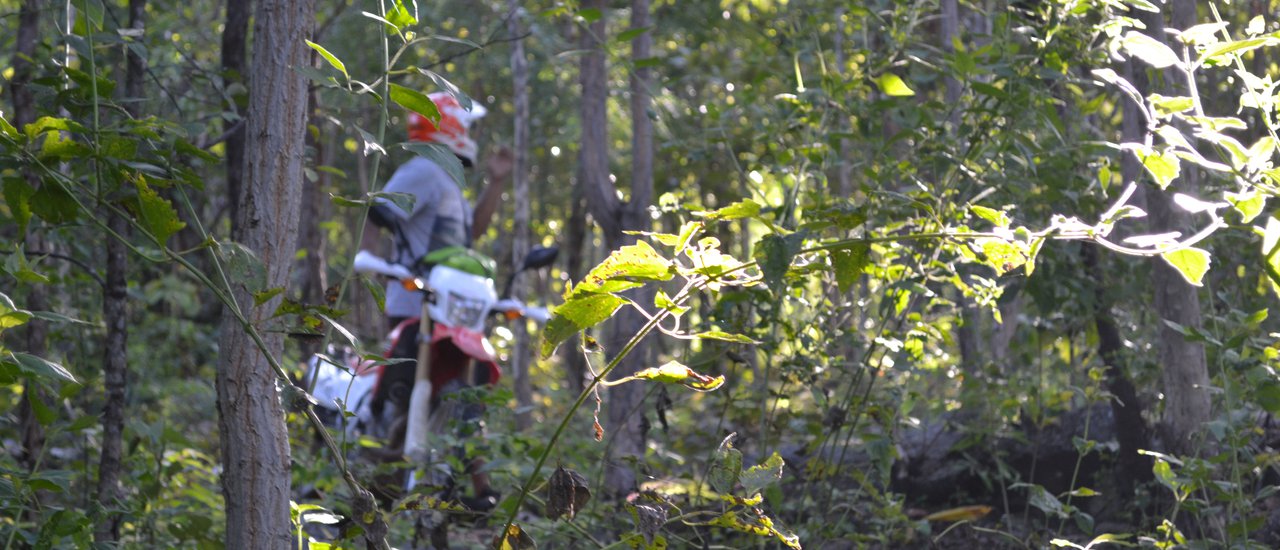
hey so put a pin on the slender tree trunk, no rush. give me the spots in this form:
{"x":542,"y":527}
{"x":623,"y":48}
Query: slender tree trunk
{"x":254,"y":440}
{"x":1184,"y":367}
{"x":115,"y":313}
{"x":24,"y":112}
{"x":234,"y":35}
{"x":311,"y":269}
{"x":950,"y":32}
{"x":575,"y":241}
{"x":520,"y":357}
{"x":626,"y":422}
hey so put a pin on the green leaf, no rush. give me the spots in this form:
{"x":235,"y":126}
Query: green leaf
{"x":440,"y":155}
{"x":155,"y":213}
{"x":6,"y":128}
{"x":1237,"y":47}
{"x":415,"y":101}
{"x":1249,"y":204}
{"x":637,"y":262}
{"x":17,"y":196}
{"x":726,"y":467}
{"x":1268,"y":396}
{"x":1163,"y":166}
{"x":42,"y":367}
{"x":1192,"y":263}
{"x":590,"y":15}
{"x":775,"y":252}
{"x":996,"y":217}
{"x":762,"y":475}
{"x":1166,"y":106}
{"x":893,"y":86}
{"x":1164,"y":474}
{"x":60,"y":146}
{"x":577,"y":315}
{"x":742,"y":209}
{"x":1202,"y":35}
{"x":849,"y":263}
{"x":1150,"y":50}
{"x":53,"y":204}
{"x":242,"y":266}
{"x":332,"y":59}
{"x":399,"y":17}
{"x":370,"y":142}
{"x":662,"y":301}
{"x":631,"y":34}
{"x":10,"y":315}
{"x":443,"y":83}
{"x":724,"y":336}
{"x":1003,"y":256}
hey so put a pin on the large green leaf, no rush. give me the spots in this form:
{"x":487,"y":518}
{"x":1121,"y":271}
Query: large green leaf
{"x":629,"y":264}
{"x":415,"y":101}
{"x":440,"y":155}
{"x":726,"y":467}
{"x":1150,"y":50}
{"x":849,"y":263}
{"x":41,"y":367}
{"x":762,"y":475}
{"x":17,"y":196}
{"x":575,"y":315}
{"x":1192,"y":263}
{"x":774,"y":253}
{"x":1164,"y":166}
{"x":155,"y":213}
{"x":738,"y":210}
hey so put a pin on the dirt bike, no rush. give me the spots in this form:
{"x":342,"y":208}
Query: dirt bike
{"x":403,"y":402}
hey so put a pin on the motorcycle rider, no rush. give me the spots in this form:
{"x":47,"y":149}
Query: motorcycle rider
{"x":440,"y":217}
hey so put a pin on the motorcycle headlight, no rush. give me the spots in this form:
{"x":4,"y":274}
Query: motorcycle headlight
{"x":464,"y":311}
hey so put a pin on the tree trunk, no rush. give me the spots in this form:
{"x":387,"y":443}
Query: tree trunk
{"x":1184,"y":368}
{"x":520,"y":356}
{"x":24,"y":112}
{"x":1131,"y":429}
{"x":234,"y":35}
{"x":313,"y":280}
{"x":254,"y":440}
{"x":115,"y":313}
{"x":951,"y":31}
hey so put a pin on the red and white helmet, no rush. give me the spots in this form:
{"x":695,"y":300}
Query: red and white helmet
{"x":452,"y":129}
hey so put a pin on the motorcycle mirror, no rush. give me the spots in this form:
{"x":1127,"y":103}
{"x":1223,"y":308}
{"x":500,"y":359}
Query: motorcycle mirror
{"x":540,"y":257}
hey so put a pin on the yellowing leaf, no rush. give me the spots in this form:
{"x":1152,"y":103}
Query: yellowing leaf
{"x":333,"y":60}
{"x":1192,"y":263}
{"x":962,"y":513}
{"x":892,"y":85}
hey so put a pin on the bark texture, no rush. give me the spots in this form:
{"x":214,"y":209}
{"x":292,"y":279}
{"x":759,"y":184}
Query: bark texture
{"x":625,"y":422}
{"x":1183,"y":365}
{"x":255,"y":445}
{"x":234,"y":35}
{"x":520,"y":357}
{"x":115,"y":312}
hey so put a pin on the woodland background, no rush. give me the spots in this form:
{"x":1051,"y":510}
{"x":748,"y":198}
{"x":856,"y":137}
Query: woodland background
{"x":925,"y":273}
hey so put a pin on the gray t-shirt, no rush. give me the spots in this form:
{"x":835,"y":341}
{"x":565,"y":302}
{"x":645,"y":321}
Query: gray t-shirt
{"x":440,"y":217}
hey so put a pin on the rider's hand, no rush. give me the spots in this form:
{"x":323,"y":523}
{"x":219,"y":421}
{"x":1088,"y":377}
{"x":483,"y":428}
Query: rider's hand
{"x":498,"y":165}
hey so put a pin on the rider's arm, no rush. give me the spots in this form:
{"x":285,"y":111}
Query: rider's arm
{"x":498,"y":167}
